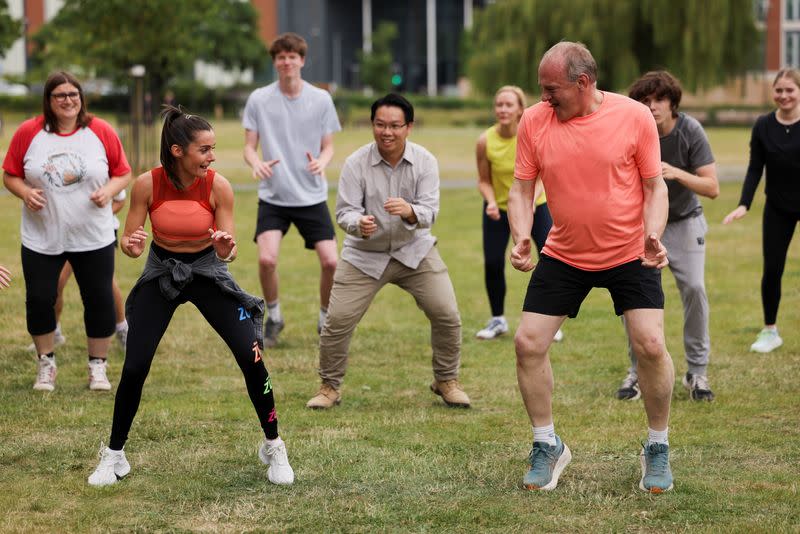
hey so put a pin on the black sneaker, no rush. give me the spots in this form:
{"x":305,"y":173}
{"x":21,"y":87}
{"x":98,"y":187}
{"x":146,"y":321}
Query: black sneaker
{"x":271,"y":331}
{"x":698,"y":387}
{"x":629,"y":389}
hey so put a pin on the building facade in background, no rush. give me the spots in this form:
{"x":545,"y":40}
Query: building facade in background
{"x":427,"y":51}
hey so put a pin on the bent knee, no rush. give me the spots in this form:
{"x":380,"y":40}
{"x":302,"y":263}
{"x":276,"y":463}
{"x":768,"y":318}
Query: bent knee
{"x":328,"y":265}
{"x":530,"y":345}
{"x":650,"y":347}
{"x":267,"y":262}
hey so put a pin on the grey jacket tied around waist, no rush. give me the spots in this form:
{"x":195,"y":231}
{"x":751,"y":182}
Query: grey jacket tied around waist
{"x":174,"y":275}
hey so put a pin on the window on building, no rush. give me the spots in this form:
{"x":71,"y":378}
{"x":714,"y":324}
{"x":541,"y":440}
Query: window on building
{"x":792,"y":10}
{"x":792,"y":47}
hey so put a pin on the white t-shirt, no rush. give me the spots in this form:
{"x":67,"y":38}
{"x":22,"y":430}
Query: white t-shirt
{"x":69,"y":168}
{"x":287,"y":129}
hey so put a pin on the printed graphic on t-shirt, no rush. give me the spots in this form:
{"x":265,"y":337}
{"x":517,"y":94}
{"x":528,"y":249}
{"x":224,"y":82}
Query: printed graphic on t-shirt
{"x":64,"y":168}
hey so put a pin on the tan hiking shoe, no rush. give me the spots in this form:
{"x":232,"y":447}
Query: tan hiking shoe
{"x":451,"y":393}
{"x":326,"y":397}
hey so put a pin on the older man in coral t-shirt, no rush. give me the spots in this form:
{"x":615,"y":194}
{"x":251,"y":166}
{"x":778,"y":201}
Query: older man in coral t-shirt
{"x":598,"y":155}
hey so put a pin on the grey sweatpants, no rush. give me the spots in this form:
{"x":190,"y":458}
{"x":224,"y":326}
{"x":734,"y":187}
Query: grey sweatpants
{"x":686,"y":250}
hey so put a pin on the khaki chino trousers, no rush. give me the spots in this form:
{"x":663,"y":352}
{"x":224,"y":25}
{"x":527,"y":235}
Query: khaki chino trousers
{"x":353,"y":292}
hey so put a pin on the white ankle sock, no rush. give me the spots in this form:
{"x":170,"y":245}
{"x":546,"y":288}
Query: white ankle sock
{"x":273,"y":442}
{"x":658,"y":436}
{"x":546,"y":434}
{"x":122,"y":325}
{"x":57,"y":331}
{"x":274,"y":311}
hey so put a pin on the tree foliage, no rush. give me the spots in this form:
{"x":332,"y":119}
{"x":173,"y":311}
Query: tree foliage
{"x":10,"y":29}
{"x":376,"y":66}
{"x":107,"y":37}
{"x":703,"y":42}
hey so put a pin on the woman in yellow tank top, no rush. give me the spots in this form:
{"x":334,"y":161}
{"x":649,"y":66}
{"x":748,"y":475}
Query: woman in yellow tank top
{"x":496,"y":152}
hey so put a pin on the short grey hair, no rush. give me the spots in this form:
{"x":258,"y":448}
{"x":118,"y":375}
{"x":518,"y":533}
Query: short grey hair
{"x":576,"y":57}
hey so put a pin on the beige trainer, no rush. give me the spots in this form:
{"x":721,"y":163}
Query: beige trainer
{"x":451,"y":393}
{"x":326,"y":397}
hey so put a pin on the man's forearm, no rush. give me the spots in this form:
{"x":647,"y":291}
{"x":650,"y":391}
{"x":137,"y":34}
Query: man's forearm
{"x":520,"y":209}
{"x":656,"y":206}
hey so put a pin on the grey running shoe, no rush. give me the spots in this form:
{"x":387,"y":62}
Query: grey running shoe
{"x":629,"y":389}
{"x":271,"y":331}
{"x":698,"y":387}
{"x":656,"y":473}
{"x":547,"y":463}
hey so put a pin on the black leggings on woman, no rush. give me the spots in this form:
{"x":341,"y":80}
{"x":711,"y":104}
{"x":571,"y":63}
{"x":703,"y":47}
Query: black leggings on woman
{"x":495,"y":241}
{"x":94,"y":271}
{"x":148,"y":321}
{"x":777,"y":229}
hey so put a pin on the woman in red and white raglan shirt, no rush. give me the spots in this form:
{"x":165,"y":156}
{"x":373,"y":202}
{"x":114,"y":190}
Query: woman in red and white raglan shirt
{"x":66,"y":165}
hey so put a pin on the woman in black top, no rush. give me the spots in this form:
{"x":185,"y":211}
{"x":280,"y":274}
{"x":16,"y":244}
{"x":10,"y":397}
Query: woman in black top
{"x":775,"y":143}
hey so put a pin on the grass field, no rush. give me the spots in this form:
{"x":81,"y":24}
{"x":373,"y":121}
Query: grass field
{"x":392,"y":457}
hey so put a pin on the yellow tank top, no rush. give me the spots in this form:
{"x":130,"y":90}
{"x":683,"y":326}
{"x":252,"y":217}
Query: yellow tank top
{"x":501,"y":153}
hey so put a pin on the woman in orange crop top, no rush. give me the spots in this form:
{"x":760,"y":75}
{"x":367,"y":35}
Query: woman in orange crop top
{"x":191,"y":214}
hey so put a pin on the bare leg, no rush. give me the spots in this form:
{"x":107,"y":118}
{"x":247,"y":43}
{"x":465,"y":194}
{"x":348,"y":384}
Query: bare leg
{"x":269,"y":244}
{"x":534,"y":374}
{"x":326,"y":250}
{"x":98,"y":346}
{"x":119,"y":304}
{"x":656,"y":373}
{"x":63,"y":278}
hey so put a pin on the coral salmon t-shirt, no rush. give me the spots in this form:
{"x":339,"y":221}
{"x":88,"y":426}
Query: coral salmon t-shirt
{"x":592,"y":168}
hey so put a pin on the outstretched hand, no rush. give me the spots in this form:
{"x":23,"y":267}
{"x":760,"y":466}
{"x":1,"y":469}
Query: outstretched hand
{"x":5,"y":277}
{"x":222,"y":242}
{"x":655,"y":253}
{"x":736,"y":214}
{"x":134,"y":245}
{"x":521,"y":257}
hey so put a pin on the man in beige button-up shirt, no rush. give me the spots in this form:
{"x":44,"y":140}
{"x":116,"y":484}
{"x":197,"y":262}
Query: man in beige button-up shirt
{"x":387,"y":202}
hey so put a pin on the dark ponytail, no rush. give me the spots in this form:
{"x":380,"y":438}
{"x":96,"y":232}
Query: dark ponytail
{"x":179,"y":129}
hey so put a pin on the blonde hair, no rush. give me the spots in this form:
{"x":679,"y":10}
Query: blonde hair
{"x":792,"y":74}
{"x":519,"y":93}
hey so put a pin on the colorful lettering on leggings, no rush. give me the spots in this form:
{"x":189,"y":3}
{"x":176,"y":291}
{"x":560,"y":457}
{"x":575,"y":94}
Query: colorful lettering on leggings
{"x":256,"y":352}
{"x":272,"y":416}
{"x":243,"y":314}
{"x":268,"y":385}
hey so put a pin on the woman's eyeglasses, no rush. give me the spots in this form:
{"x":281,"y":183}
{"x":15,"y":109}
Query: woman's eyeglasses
{"x":62,"y":97}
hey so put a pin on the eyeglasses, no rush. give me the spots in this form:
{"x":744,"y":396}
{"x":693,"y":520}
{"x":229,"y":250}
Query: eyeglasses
{"x":62,"y":97}
{"x":393,"y":127}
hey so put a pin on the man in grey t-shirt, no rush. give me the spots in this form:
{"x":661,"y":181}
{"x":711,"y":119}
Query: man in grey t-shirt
{"x":293,"y":122}
{"x":689,"y":170}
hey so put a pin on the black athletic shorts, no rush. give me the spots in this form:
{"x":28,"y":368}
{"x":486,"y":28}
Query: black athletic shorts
{"x":313,"y":222}
{"x":557,"y":288}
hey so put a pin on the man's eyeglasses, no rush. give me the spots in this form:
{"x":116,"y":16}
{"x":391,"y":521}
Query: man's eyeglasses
{"x":62,"y":97}
{"x":393,"y":127}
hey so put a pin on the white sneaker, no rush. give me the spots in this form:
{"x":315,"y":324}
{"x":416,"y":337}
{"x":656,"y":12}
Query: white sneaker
{"x":496,"y":326}
{"x":98,"y":380}
{"x":279,"y":472}
{"x":58,"y":340}
{"x":767,"y":341}
{"x":46,"y":378}
{"x":122,"y":337}
{"x":558,"y":336}
{"x":112,"y":467}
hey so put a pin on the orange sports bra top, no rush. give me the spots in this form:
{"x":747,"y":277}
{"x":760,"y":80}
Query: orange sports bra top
{"x":184,"y":215}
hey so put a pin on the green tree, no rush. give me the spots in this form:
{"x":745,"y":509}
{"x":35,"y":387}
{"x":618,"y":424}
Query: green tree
{"x":107,"y":37}
{"x":376,"y":66}
{"x":10,"y":29}
{"x":703,"y":42}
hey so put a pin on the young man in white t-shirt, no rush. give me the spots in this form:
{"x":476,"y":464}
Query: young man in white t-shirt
{"x":293,"y":122}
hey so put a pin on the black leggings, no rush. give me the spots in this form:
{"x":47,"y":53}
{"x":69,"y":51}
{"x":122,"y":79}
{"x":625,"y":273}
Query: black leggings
{"x":495,"y":241}
{"x":94,"y":271}
{"x":150,"y":316}
{"x":777,"y":231}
